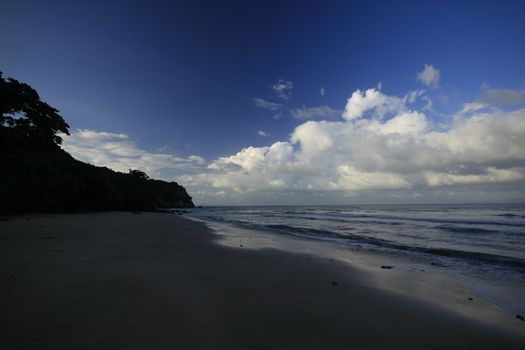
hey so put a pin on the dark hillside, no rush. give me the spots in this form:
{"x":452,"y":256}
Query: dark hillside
{"x":36,"y":175}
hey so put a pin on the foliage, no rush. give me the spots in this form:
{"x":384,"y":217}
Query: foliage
{"x":22,"y":110}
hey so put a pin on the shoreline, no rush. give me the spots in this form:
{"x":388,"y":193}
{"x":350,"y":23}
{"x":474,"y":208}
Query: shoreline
{"x":123,"y":280}
{"x":410,"y":268}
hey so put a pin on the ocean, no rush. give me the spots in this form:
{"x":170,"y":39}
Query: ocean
{"x":483,"y":237}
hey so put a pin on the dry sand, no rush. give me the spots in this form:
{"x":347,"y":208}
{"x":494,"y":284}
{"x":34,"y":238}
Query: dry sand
{"x":158,"y":281}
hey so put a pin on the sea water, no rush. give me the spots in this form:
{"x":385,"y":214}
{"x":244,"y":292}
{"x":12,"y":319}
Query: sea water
{"x":486,"y":237}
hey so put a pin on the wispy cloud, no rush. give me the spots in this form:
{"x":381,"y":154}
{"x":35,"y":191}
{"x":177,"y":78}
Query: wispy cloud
{"x":493,"y":97}
{"x":263,"y":133}
{"x":283,"y":89}
{"x":315,"y":112}
{"x":501,"y":96}
{"x":472,"y":107}
{"x":264,"y":104}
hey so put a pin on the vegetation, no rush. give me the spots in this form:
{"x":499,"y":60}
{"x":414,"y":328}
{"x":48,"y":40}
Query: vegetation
{"x":36,"y":175}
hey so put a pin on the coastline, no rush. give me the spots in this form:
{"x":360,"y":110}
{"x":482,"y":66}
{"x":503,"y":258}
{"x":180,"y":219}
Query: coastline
{"x":122,"y":280}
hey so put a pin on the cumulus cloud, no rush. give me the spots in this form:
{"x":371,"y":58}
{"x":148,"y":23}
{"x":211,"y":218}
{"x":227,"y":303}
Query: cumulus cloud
{"x":314,"y":112}
{"x":283,"y":89}
{"x":374,"y":101}
{"x":429,"y":76}
{"x":361,"y":153}
{"x":262,"y":103}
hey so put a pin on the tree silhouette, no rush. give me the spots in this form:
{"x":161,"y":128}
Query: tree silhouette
{"x":138,"y":174}
{"x":22,"y":110}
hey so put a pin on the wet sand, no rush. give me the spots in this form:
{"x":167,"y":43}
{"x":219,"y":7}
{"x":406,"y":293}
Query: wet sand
{"x":158,"y":281}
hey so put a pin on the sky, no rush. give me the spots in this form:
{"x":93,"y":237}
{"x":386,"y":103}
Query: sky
{"x":286,"y":102}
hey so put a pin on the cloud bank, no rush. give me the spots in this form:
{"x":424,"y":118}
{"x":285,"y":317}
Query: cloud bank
{"x":120,"y":153}
{"x":404,"y":152}
{"x":380,"y":149}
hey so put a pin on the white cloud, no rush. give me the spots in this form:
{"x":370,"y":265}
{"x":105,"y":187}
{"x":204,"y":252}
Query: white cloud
{"x":120,"y":153}
{"x":262,"y":103}
{"x":283,"y":89}
{"x":314,"y":112}
{"x":374,"y":100}
{"x":322,"y":91}
{"x":352,"y":178}
{"x":263,"y":133}
{"x":429,"y":76}
{"x":403,"y":154}
{"x":408,"y":123}
{"x":382,"y":149}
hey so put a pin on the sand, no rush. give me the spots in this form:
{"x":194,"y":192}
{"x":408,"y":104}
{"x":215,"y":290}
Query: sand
{"x":159,"y":281}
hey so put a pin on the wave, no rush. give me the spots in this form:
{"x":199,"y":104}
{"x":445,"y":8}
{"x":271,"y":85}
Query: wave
{"x":341,"y":220}
{"x":462,"y":229}
{"x":374,"y":217}
{"x":429,"y":220}
{"x":509,"y":215}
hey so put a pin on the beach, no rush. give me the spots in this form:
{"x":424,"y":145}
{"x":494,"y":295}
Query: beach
{"x":121,"y":280}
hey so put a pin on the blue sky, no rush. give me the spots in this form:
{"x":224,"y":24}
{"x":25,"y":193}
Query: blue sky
{"x":182,"y":84}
